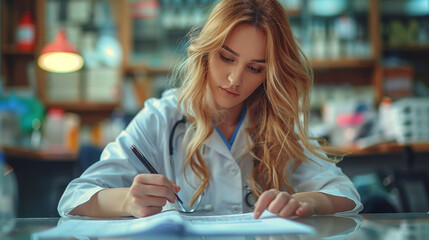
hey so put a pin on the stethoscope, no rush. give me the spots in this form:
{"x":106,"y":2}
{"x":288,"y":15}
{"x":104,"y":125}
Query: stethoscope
{"x":249,"y":198}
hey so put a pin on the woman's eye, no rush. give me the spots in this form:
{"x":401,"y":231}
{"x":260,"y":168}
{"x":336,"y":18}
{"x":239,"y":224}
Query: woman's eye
{"x":226,"y":59}
{"x":255,"y":70}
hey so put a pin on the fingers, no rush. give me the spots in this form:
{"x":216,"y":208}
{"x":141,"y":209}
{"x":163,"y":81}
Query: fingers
{"x":153,"y":179}
{"x":149,"y":202}
{"x":175,"y":186}
{"x":304,"y":210}
{"x":289,"y":208}
{"x":279,"y":202}
{"x":146,"y":191}
{"x":154,"y":185}
{"x":149,"y":193}
{"x":282,"y":204}
{"x":264,"y":201}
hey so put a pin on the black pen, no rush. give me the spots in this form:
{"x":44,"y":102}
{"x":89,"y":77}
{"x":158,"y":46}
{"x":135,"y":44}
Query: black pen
{"x":147,"y":164}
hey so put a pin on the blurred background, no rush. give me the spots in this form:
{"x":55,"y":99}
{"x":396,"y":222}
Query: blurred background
{"x":370,"y":97}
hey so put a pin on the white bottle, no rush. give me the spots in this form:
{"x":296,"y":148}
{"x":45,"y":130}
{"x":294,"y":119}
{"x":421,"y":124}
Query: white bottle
{"x":8,"y":198}
{"x":385,"y":118}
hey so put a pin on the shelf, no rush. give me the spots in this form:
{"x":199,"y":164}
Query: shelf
{"x":48,"y":154}
{"x":293,"y":12}
{"x":83,"y":106}
{"x":89,"y":112}
{"x":409,"y":48}
{"x":12,"y":50}
{"x":315,"y":63}
{"x":132,"y":69}
{"x":343,"y":63}
{"x":388,"y":148}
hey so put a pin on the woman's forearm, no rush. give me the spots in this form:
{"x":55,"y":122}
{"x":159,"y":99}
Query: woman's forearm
{"x":105,"y":203}
{"x":322,"y":203}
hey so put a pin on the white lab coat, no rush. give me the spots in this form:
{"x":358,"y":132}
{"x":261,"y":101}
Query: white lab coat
{"x":229,"y":169}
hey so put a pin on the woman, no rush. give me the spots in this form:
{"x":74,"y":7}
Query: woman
{"x":244,"y":93}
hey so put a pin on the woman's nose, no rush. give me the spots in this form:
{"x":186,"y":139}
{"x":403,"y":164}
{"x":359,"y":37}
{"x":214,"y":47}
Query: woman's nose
{"x":234,"y":78}
{"x":230,"y":80}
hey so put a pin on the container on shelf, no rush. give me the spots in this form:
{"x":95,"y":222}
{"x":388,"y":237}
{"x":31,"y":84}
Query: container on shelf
{"x":411,"y":120}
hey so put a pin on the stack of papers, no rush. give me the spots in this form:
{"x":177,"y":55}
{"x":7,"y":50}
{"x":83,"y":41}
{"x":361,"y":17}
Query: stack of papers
{"x":175,"y":223}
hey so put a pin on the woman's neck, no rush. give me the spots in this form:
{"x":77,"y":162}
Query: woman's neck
{"x":229,"y":117}
{"x":228,"y":121}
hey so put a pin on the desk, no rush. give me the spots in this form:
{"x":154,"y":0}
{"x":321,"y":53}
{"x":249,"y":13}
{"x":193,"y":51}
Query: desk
{"x":42,"y":176}
{"x":41,"y":154}
{"x":360,"y":227}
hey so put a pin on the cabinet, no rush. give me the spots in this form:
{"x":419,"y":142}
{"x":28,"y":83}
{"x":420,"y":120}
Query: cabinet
{"x":157,"y":40}
{"x":19,"y":68}
{"x":42,"y":176}
{"x":152,"y":48}
{"x":153,"y":37}
{"x":342,"y":41}
{"x":93,"y":92}
{"x":405,"y":36}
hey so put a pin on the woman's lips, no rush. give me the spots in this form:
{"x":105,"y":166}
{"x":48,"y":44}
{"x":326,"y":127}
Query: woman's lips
{"x":230,"y":92}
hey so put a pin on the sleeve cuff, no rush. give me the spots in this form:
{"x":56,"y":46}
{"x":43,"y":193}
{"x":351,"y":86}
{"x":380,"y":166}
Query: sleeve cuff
{"x":83,"y":199}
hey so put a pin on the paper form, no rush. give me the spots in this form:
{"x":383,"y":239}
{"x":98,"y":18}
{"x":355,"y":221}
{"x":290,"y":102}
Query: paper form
{"x":175,"y":223}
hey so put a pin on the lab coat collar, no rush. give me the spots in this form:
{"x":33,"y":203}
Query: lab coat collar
{"x":216,"y":143}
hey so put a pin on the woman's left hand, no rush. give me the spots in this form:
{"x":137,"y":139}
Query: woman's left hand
{"x":282,"y":204}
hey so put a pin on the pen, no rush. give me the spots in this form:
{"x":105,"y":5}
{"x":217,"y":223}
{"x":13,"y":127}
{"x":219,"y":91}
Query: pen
{"x":147,"y":164}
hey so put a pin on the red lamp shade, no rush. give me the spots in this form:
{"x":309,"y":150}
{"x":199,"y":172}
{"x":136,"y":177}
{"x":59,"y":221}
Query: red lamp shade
{"x":60,"y":56}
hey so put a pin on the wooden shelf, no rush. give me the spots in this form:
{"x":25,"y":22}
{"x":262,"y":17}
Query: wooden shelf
{"x":14,"y":63}
{"x":135,"y":68}
{"x":49,"y":154}
{"x":342,"y":63}
{"x":83,"y":106}
{"x":293,"y":12}
{"x":315,"y":63}
{"x":388,"y":148}
{"x":89,"y":112}
{"x":409,"y":48}
{"x":12,"y":50}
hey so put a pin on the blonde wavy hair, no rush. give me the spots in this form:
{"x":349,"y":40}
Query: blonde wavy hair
{"x":278,"y":110}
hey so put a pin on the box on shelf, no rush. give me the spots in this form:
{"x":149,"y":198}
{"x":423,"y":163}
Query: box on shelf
{"x":63,"y":87}
{"x":411,"y":120}
{"x":101,"y":85}
{"x":398,"y":82}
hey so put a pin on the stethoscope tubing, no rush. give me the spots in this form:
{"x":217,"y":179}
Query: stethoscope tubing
{"x":171,"y":153}
{"x":171,"y":137}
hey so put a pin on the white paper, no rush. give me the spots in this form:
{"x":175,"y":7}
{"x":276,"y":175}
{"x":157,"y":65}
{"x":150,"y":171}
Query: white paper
{"x":174,"y":223}
{"x":244,"y":224}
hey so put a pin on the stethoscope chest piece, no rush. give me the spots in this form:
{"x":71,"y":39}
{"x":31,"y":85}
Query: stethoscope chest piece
{"x":250,"y":198}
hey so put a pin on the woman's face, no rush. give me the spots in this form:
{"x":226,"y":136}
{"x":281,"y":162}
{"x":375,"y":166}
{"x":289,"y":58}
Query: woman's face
{"x":238,"y":68}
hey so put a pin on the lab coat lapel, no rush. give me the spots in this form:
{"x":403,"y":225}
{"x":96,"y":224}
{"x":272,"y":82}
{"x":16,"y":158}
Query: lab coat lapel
{"x":216,"y":144}
{"x":239,"y":146}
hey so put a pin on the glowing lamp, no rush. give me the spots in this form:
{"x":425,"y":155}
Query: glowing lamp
{"x":60,"y":56}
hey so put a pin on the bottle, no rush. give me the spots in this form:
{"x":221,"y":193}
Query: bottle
{"x":53,"y":129}
{"x":71,"y":131}
{"x":8,"y":197}
{"x":387,"y":125}
{"x":26,"y":33}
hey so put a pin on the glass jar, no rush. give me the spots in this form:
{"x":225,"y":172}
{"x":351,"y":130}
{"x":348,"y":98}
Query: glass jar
{"x":8,"y":197}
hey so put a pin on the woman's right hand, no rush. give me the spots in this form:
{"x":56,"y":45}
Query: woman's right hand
{"x":148,"y":194}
